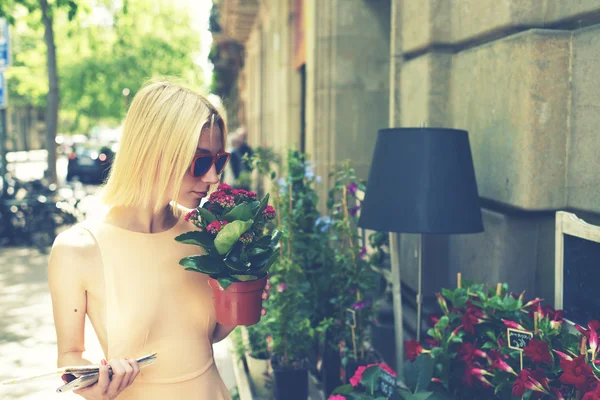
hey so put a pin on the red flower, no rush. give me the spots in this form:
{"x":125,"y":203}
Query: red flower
{"x":387,"y":368}
{"x":442,"y":303}
{"x":433,"y":319}
{"x":529,"y":380}
{"x":412,"y":349}
{"x":512,"y":324}
{"x":432,"y":342}
{"x":191,"y":215}
{"x":355,"y":380}
{"x":591,"y":335}
{"x":594,"y":395}
{"x":269,"y":212}
{"x":471,"y":317}
{"x":468,"y":352}
{"x":575,"y":372}
{"x":538,"y":351}
{"x":223,"y":187}
{"x":216,"y":226}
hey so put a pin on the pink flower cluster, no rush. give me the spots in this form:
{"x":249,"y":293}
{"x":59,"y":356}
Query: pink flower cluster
{"x":355,"y":380}
{"x":269,"y":212}
{"x":247,"y":238}
{"x":192,"y":215}
{"x":216,"y":226}
{"x":243,"y":195}
{"x":222,"y":198}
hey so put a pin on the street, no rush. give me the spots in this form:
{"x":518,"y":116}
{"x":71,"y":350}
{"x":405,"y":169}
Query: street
{"x":27,"y":335}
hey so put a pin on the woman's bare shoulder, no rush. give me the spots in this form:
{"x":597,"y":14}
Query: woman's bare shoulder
{"x":72,"y":247}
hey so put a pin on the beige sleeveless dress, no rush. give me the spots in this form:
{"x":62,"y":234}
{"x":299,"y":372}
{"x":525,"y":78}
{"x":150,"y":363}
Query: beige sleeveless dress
{"x":154,"y":305}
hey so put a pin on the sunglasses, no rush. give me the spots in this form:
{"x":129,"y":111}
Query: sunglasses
{"x":202,"y":163}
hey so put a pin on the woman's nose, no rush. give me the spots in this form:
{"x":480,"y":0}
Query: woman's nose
{"x":211,"y":176}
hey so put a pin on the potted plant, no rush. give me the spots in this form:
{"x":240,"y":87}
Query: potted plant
{"x":352,"y":283}
{"x":239,"y":248}
{"x":290,"y":326}
{"x":257,"y":357}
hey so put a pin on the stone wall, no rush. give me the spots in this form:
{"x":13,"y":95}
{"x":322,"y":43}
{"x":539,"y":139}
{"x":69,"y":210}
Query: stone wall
{"x":522,"y":77}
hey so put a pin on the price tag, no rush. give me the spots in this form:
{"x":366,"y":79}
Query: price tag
{"x":351,"y":317}
{"x":517,"y":339}
{"x":387,"y":384}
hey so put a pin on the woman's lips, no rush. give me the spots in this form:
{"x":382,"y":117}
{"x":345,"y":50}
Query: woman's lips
{"x":199,"y":194}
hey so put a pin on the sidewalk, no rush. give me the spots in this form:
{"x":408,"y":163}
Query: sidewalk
{"x":27,"y":335}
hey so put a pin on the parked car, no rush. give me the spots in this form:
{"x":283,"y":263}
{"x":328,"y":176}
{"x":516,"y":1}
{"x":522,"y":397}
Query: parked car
{"x":90,"y":163}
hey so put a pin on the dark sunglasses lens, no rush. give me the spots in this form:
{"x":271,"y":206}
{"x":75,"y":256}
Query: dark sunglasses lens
{"x":221,"y":162}
{"x":202,"y":165}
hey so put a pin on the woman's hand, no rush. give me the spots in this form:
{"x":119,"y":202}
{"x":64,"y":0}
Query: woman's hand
{"x":265,"y":296}
{"x":124,"y":372}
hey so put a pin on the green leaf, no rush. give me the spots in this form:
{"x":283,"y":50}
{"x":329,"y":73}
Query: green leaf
{"x":370,"y":377}
{"x":241,"y":212}
{"x":235,"y":264}
{"x":488,"y":345}
{"x":254,"y":205}
{"x":245,"y":278}
{"x":264,"y":266}
{"x":230,"y":234}
{"x":491,"y":335}
{"x":344,"y":389}
{"x":418,"y":396}
{"x":205,"y":264}
{"x":436,"y":352}
{"x":198,"y":238}
{"x":206,"y":215}
{"x":225,"y":282}
{"x":264,"y":242}
{"x":263,"y":204}
{"x":442,"y":324}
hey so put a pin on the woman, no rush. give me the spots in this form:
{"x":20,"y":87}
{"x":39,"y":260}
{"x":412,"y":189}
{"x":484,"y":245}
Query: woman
{"x":122,"y":269}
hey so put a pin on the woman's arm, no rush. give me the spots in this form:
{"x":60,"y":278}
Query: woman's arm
{"x":66,"y":268}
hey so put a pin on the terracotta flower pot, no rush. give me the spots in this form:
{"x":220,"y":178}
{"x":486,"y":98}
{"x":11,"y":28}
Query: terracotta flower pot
{"x":240,"y":303}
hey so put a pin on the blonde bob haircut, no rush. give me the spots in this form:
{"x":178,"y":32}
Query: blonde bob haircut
{"x":159,"y":140}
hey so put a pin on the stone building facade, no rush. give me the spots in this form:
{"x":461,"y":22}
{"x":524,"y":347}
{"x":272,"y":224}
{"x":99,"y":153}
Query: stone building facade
{"x":522,"y":76}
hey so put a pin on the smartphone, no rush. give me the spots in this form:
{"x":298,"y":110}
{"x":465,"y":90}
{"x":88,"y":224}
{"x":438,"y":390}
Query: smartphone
{"x":91,"y":373}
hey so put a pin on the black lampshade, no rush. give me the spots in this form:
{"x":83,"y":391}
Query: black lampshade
{"x":422,"y":180}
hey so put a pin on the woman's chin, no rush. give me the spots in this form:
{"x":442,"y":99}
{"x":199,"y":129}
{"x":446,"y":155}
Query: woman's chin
{"x":190,"y":202}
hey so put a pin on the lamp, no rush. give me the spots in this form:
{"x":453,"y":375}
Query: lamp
{"x":421,"y":180}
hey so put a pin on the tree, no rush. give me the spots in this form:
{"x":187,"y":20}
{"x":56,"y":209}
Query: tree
{"x":48,"y":10}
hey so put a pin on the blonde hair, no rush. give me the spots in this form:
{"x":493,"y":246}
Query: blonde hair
{"x":160,"y":135}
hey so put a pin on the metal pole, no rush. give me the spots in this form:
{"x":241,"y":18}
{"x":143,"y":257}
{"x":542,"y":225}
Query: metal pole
{"x":397,"y":301}
{"x":419,"y":292}
{"x":2,"y":141}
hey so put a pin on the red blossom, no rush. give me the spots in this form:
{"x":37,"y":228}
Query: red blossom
{"x":472,"y":316}
{"x":529,"y":380}
{"x":387,"y":368}
{"x":433,"y":319}
{"x":216,"y":226}
{"x":576,"y":372}
{"x":269,"y":212}
{"x":591,"y":335}
{"x":468,"y":352}
{"x":512,"y":324}
{"x":592,"y":395}
{"x":442,"y":303}
{"x":191,"y":215}
{"x":432,"y":342}
{"x":412,"y":349}
{"x":538,"y":351}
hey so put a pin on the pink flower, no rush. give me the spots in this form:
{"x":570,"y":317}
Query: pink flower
{"x":191,"y":215}
{"x":224,"y":187}
{"x":358,"y":305}
{"x":354,"y":210}
{"x":512,"y":324}
{"x":362,"y":253}
{"x":269,"y":212}
{"x":355,"y":380}
{"x":352,"y":188}
{"x":281,"y":287}
{"x":591,"y":336}
{"x":246,"y":237}
{"x":387,"y":369}
{"x":442,"y":303}
{"x":412,"y":349}
{"x":216,"y":226}
{"x":336,"y":397}
{"x":533,"y":302}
